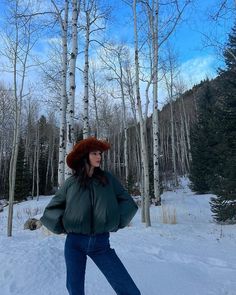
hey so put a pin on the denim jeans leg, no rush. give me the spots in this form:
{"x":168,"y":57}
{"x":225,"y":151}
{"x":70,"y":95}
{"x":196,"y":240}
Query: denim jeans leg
{"x":75,"y":260}
{"x":114,"y":271}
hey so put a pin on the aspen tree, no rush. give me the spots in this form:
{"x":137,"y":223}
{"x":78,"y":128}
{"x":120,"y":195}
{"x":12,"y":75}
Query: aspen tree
{"x":19,"y":42}
{"x":51,"y":148}
{"x":86,"y":82}
{"x":71,"y":97}
{"x":114,"y":58}
{"x":159,"y":35}
{"x":63,"y":105}
{"x":6,"y":134}
{"x":37,"y":145}
{"x":97,"y":90}
{"x":95,"y":16}
{"x":129,"y":87}
{"x":187,"y":129}
{"x":144,"y":155}
{"x":170,"y":75}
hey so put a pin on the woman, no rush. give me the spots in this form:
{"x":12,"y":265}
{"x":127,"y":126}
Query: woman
{"x":89,"y":205}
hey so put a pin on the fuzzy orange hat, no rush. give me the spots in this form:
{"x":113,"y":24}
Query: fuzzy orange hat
{"x":83,"y":147}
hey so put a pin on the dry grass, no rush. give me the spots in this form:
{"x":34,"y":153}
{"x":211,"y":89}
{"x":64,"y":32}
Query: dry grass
{"x":168,"y":215}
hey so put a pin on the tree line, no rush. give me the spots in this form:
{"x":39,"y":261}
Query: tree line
{"x":118,"y":100}
{"x":213,"y":139}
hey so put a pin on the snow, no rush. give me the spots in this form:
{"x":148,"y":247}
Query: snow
{"x":192,"y":256}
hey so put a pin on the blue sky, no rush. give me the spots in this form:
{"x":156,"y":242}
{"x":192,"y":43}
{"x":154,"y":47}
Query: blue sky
{"x":196,"y":61}
{"x":188,"y":40}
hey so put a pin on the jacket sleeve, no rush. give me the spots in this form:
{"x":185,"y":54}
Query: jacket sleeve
{"x":53,"y":213}
{"x":127,"y":206}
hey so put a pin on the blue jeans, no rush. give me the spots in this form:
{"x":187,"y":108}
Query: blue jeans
{"x":97,"y":247}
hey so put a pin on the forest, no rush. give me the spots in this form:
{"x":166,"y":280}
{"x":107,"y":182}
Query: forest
{"x":128,"y":91}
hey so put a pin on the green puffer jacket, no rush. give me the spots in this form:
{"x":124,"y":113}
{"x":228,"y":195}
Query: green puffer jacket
{"x":98,"y":209}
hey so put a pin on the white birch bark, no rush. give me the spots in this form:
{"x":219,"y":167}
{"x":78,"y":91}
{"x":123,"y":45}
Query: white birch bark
{"x":178,"y":147}
{"x":19,"y":61}
{"x":51,"y":146}
{"x":114,"y":59}
{"x":72,"y":86}
{"x":153,"y":13}
{"x":130,"y":90}
{"x":155,"y":123}
{"x":153,"y":28}
{"x":51,"y":158}
{"x":94,"y":88}
{"x":48,"y":162}
{"x":86,"y":82}
{"x":124,"y":120}
{"x":63,"y":104}
{"x":173,"y":143}
{"x":169,"y":86}
{"x":183,"y":147}
{"x":95,"y":106}
{"x":95,"y":14}
{"x":144,"y":154}
{"x":187,"y":129}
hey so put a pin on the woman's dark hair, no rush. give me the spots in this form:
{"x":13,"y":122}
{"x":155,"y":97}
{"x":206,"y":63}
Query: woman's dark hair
{"x":82,"y":175}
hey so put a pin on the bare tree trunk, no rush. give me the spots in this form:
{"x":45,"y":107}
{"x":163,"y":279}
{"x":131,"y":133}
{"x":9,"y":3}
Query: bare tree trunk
{"x":155,"y":123}
{"x":52,"y":150}
{"x":52,"y":160}
{"x":71,"y":100}
{"x":173,"y":143}
{"x":124,"y":121}
{"x":20,"y":55}
{"x":153,"y":15}
{"x":86,"y":82}
{"x":12,"y":171}
{"x":63,"y":106}
{"x":48,"y":164}
{"x":27,"y":141}
{"x":183,"y":149}
{"x":95,"y":14}
{"x":142,"y":189}
{"x":169,"y":86}
{"x":94,"y":90}
{"x":114,"y":153}
{"x":130,"y":89}
{"x":37,"y":161}
{"x":178,"y":148}
{"x":118,"y":154}
{"x":114,"y":60}
{"x":33,"y":168}
{"x":50,"y":153}
{"x":187,"y":129}
{"x":96,"y":108}
{"x":143,"y":131}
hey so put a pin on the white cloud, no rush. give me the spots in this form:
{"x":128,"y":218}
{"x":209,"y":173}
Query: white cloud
{"x":197,"y":69}
{"x":190,"y":73}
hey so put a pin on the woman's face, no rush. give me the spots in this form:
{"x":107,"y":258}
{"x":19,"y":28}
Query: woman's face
{"x":95,"y":158}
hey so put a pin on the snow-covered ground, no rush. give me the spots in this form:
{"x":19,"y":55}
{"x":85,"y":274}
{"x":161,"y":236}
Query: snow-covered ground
{"x":192,"y":257}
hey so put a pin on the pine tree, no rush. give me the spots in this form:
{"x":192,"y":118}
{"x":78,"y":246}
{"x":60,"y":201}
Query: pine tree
{"x":202,"y":140}
{"x":223,"y":205}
